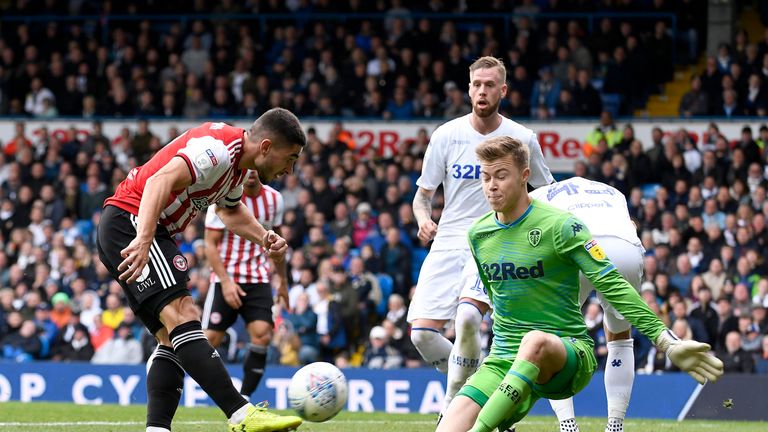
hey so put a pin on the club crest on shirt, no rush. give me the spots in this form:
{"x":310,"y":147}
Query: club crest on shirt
{"x":594,"y":249}
{"x":534,"y":237}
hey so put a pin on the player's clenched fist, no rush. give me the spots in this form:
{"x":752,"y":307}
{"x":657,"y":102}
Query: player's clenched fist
{"x":275,"y":245}
{"x":427,"y":231}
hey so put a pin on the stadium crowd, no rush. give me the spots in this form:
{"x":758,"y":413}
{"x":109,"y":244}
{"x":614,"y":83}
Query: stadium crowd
{"x":394,"y":62}
{"x":700,"y":206}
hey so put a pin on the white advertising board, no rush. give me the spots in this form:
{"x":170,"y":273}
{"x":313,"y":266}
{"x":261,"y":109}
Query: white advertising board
{"x":561,"y":142}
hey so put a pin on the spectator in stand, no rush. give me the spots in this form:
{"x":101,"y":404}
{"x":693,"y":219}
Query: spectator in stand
{"x":101,"y":333}
{"x":396,"y":260}
{"x":381,"y":354}
{"x":695,"y":102}
{"x":77,"y":348}
{"x":304,"y":322}
{"x":22,"y":345}
{"x":734,"y":358}
{"x":586,"y":98}
{"x":123,"y":348}
{"x":727,"y":322}
{"x":113,"y":316}
{"x":61,"y":309}
{"x":761,"y":365}
{"x":330,"y":328}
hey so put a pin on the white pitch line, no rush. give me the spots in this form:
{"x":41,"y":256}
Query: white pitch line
{"x":689,"y":403}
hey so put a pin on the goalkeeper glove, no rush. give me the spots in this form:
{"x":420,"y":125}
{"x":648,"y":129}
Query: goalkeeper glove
{"x":690,"y":356}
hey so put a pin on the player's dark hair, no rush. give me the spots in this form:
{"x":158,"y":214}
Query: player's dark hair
{"x":279,"y":122}
{"x":502,"y":146}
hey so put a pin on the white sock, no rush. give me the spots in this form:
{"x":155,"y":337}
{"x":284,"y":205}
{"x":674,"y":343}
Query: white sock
{"x":619,"y":377}
{"x":563,"y":409}
{"x":614,"y":425}
{"x":569,"y":425}
{"x":465,"y":355}
{"x":240,"y":414}
{"x":157,"y":429}
{"x":433,"y":347}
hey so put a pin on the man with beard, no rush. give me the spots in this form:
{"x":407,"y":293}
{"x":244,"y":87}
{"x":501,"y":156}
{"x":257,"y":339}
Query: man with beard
{"x":205,"y":165}
{"x":448,"y":286}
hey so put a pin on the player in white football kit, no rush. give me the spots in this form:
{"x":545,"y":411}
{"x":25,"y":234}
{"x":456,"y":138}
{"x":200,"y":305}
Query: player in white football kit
{"x":240,"y":282}
{"x":604,"y":210}
{"x":448,"y":286}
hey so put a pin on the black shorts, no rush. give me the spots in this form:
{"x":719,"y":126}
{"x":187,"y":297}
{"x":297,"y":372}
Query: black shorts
{"x":257,"y":306}
{"x":164,"y":277}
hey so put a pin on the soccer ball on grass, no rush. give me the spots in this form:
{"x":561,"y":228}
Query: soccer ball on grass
{"x":318,"y":391}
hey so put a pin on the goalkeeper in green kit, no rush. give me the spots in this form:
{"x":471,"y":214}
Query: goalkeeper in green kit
{"x":529,"y":255}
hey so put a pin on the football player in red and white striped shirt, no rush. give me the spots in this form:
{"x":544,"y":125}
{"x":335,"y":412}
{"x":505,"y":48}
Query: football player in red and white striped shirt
{"x":205,"y":165}
{"x":240,"y":283}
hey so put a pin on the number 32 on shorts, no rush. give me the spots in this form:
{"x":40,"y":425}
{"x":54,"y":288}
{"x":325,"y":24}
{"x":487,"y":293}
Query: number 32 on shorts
{"x":465,"y":171}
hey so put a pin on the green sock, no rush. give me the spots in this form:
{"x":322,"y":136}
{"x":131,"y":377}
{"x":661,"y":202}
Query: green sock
{"x":514,"y":389}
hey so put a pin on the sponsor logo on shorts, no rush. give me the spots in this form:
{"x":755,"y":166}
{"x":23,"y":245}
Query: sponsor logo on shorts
{"x":144,"y":281}
{"x":144,"y":274}
{"x":180,"y":263}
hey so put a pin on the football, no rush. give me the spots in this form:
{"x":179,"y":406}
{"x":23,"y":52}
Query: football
{"x":318,"y":391}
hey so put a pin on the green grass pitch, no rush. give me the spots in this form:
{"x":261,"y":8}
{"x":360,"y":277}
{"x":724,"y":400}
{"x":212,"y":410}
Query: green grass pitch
{"x":24,"y":417}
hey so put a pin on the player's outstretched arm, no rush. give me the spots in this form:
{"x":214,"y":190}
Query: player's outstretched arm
{"x":690,"y":356}
{"x":242,"y":222}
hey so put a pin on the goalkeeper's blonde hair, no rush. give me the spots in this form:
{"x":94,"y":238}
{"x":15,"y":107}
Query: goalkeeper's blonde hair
{"x":498,"y":147}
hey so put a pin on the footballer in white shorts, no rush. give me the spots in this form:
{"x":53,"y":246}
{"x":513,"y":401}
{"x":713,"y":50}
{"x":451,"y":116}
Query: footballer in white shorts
{"x":446,"y":276}
{"x":603,"y":209}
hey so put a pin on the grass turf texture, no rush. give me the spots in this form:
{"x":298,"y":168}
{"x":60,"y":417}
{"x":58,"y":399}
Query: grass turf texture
{"x":23,"y":417}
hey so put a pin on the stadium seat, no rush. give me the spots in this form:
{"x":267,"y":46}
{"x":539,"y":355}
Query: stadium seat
{"x":386,"y":284}
{"x":45,"y":347}
{"x":649,"y":190}
{"x":417,"y":259}
{"x":376,"y":241}
{"x":611,"y":103}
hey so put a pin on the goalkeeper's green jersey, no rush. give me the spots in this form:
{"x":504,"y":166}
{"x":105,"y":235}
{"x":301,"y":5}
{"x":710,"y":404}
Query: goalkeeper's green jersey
{"x":530,"y":268}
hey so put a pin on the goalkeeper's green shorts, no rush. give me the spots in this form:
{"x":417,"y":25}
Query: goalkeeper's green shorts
{"x":580,"y":365}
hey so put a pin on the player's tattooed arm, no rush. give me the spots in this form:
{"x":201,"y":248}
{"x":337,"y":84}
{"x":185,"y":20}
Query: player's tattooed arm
{"x":422,"y":205}
{"x":422,"y":210}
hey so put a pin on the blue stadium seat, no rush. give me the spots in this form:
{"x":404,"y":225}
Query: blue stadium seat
{"x":45,"y":347}
{"x":649,"y":190}
{"x":418,"y":257}
{"x":376,"y":241}
{"x":386,"y":284}
{"x":611,"y":103}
